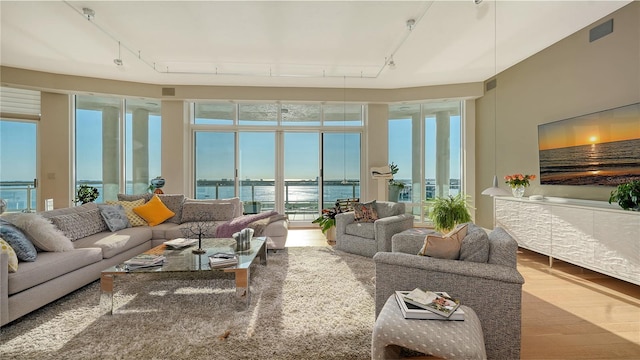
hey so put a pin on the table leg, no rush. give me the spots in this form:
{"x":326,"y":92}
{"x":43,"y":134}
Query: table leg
{"x":106,"y":292}
{"x":263,"y":254}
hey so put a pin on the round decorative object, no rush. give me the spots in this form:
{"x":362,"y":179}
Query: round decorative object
{"x":157,"y":182}
{"x":517,"y":191}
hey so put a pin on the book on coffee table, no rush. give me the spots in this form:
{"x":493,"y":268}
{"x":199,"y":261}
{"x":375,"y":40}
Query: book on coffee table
{"x":180,"y":243}
{"x":144,"y":260}
{"x":438,"y":303}
{"x":410,"y":311}
{"x":222,"y":260}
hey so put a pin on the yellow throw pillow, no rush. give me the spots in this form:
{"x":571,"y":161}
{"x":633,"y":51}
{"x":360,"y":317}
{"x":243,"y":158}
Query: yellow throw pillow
{"x":154,"y":211}
{"x":444,"y":247}
{"x":13,"y":258}
{"x":128,"y":206}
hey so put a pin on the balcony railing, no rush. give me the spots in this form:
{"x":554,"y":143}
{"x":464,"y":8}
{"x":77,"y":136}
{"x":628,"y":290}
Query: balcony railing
{"x":20,"y":196}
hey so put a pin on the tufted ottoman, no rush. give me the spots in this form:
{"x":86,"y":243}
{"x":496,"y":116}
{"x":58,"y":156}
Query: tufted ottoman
{"x":442,"y":338}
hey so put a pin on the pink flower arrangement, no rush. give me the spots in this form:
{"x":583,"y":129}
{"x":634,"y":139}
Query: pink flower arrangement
{"x":518,"y":179}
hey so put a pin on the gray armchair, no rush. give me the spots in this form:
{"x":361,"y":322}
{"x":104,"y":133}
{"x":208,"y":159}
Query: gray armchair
{"x":492,"y":289}
{"x":369,"y":238}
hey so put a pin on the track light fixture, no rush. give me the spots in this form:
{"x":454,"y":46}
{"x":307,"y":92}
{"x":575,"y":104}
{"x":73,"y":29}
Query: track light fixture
{"x":118,"y":61}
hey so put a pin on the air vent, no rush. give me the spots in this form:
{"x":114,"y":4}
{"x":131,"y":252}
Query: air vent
{"x":491,"y":84}
{"x":168,"y":91}
{"x":601,"y":30}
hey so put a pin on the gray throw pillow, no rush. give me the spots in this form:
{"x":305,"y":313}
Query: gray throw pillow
{"x":174,"y":203}
{"x":78,"y":226}
{"x":24,"y":249}
{"x":475,"y":245}
{"x":202,"y":211}
{"x":114,"y":216}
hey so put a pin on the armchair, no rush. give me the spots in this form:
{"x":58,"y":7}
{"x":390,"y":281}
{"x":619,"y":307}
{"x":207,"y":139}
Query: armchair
{"x":369,"y":238}
{"x":492,"y":289}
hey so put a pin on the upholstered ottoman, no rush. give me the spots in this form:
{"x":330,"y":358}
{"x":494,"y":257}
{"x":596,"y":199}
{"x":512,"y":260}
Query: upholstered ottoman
{"x":442,"y":338}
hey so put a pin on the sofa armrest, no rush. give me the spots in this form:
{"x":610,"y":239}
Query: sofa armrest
{"x":407,"y":243}
{"x":386,"y":227}
{"x":494,"y":292}
{"x":344,"y":219}
{"x":4,"y":288}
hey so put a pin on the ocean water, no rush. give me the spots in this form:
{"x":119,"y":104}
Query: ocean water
{"x":608,"y":164}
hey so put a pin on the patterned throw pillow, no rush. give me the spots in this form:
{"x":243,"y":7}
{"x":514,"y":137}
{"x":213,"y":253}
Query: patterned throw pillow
{"x":42,"y":232}
{"x":24,"y":249}
{"x":128,"y":206}
{"x":114,"y":216}
{"x":80,"y":225}
{"x":444,"y":247}
{"x":154,"y":211}
{"x":202,"y":211}
{"x":365,"y":212}
{"x":128,"y":197}
{"x":13,"y":258}
{"x":174,"y":203}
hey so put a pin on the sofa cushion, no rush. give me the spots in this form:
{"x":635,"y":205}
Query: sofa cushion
{"x":42,"y":232}
{"x":114,"y":216}
{"x":154,"y":212}
{"x":133,"y":197}
{"x":363,"y":229}
{"x":113,"y":244}
{"x":475,"y":245}
{"x":5,"y":248}
{"x":49,"y":266}
{"x":79,"y":225}
{"x":366,"y":212}
{"x":192,"y":211}
{"x":174,"y":203}
{"x":502,"y":248}
{"x":444,"y":247}
{"x":128,"y":206}
{"x":71,"y":210}
{"x":25,"y":251}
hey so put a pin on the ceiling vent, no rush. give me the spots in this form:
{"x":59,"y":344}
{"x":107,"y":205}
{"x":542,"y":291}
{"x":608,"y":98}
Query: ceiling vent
{"x":168,"y":91}
{"x":491,"y":84}
{"x":601,"y":30}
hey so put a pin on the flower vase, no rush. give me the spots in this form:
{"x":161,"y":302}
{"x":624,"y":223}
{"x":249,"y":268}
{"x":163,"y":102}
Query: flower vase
{"x":517,"y":191}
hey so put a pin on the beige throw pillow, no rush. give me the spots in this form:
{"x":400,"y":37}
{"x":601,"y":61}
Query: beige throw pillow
{"x":444,"y":247}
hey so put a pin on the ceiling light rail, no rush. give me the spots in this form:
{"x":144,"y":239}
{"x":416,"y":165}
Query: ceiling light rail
{"x":89,"y":14}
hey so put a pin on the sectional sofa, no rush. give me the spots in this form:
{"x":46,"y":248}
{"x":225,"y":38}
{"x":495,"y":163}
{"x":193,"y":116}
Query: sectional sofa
{"x":75,"y":244}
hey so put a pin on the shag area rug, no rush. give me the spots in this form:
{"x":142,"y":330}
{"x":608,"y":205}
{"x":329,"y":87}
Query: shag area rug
{"x":307,"y":303}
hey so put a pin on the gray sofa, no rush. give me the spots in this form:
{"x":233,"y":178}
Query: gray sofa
{"x":367,"y":239}
{"x":493,"y":288}
{"x":55,"y":274}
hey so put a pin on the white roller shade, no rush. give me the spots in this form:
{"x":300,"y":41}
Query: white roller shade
{"x":19,"y":103}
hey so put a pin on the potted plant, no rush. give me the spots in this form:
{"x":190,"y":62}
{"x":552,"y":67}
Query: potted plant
{"x":447,"y":212}
{"x":394,"y":186}
{"x":627,"y":195}
{"x":86,"y":194}
{"x":327,"y":222}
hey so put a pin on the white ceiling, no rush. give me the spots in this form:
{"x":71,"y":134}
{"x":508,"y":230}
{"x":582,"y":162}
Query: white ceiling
{"x":287,"y":43}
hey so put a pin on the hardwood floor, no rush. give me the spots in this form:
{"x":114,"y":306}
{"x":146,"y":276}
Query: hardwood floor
{"x":567,"y":312}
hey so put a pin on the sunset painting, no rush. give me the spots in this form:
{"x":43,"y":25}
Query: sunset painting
{"x":596,"y":149}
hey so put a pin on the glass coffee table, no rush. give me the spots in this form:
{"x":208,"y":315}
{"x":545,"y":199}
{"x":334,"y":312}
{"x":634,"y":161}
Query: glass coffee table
{"x":184,"y":260}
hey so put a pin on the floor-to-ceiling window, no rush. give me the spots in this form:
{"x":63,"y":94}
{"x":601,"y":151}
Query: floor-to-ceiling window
{"x":425,"y":143}
{"x":117,"y":144}
{"x":20,"y":110}
{"x":274,"y":155}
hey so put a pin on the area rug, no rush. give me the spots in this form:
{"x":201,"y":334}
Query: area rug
{"x":307,"y":303}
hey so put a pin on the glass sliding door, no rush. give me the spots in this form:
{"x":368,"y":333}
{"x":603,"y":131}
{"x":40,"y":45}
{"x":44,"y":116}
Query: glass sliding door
{"x":18,"y":165}
{"x":215,"y":165}
{"x":301,"y":168}
{"x":143,"y":144}
{"x":257,"y":170}
{"x":97,"y":134}
{"x":442,"y":157}
{"x":340,"y":166}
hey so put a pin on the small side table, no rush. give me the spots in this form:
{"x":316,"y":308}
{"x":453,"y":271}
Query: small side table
{"x":442,"y":338}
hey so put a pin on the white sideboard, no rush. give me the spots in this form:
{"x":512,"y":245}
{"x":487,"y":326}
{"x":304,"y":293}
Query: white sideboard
{"x":591,"y":234}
